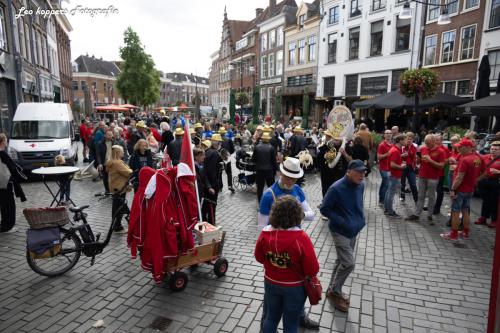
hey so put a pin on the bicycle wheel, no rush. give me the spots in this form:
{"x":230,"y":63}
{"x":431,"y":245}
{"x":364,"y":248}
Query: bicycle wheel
{"x":61,"y":263}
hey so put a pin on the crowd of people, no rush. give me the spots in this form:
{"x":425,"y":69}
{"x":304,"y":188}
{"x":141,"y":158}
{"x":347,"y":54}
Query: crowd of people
{"x":428,"y":167}
{"x":281,"y":154}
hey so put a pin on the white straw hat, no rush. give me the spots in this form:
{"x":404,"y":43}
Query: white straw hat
{"x":291,"y":168}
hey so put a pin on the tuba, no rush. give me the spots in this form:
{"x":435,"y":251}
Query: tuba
{"x":330,"y":154}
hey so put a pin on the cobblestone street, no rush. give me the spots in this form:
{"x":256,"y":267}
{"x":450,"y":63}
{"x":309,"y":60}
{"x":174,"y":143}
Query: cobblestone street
{"x":407,"y":279}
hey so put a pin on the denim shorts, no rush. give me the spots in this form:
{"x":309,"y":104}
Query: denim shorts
{"x":461,"y":202}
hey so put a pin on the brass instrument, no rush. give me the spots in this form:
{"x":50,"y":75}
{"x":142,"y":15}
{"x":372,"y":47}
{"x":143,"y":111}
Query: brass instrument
{"x":331,"y":153}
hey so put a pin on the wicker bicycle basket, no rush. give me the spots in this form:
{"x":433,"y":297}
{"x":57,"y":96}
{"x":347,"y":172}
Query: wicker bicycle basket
{"x":39,"y":218}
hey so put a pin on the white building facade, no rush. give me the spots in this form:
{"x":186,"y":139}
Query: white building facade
{"x":53,"y":57}
{"x":364,"y":47}
{"x":213,"y":76}
{"x":490,"y":40}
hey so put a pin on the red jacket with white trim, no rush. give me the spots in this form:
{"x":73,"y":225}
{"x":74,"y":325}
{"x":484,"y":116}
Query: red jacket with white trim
{"x":287,"y":256}
{"x":137,"y":223}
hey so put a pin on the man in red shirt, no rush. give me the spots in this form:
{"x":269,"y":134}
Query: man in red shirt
{"x":396,"y":165}
{"x":431,"y":162}
{"x":466,"y":174}
{"x":410,"y":151}
{"x":439,"y":188}
{"x":383,"y":166}
{"x":489,"y":187}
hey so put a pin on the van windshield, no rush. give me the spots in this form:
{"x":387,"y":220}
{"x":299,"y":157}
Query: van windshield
{"x":40,"y":129}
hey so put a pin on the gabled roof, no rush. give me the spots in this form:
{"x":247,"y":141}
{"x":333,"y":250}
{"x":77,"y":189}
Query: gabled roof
{"x":269,"y":12}
{"x":96,"y":66}
{"x":182,"y":77}
{"x":312,"y":8}
{"x":238,"y":29}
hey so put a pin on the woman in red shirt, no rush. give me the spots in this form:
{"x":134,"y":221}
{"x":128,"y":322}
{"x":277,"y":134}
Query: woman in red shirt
{"x":288,"y":256}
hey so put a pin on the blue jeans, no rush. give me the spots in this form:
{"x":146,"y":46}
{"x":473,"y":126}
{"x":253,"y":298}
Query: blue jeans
{"x":389,"y":196}
{"x":409,"y":173}
{"x":286,"y":302}
{"x":461,"y":202}
{"x":383,"y":186}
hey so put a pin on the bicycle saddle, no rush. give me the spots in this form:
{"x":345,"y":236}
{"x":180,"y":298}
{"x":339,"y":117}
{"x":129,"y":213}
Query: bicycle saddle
{"x":78,"y":209}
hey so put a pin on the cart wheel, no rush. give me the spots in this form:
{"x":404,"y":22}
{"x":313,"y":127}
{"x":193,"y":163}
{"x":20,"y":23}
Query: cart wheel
{"x":178,"y":281}
{"x":220,"y":267}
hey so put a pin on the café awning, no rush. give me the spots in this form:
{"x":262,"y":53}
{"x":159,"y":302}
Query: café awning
{"x":395,"y":100}
{"x":111,"y":108}
{"x":488,"y":106}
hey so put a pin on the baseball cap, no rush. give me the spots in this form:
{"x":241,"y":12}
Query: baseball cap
{"x":466,"y":143}
{"x":356,"y":165}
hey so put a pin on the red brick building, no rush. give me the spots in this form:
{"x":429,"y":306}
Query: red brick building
{"x":453,"y":49}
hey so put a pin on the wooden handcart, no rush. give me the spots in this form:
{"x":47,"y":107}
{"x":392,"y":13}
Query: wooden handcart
{"x":210,"y":253}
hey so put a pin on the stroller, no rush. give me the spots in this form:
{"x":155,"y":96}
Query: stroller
{"x":246,"y":176}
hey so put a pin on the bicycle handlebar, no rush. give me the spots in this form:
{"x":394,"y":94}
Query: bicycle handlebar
{"x":105,"y":195}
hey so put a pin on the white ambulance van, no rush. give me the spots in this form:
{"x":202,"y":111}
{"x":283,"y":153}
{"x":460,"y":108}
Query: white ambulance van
{"x":40,"y":132}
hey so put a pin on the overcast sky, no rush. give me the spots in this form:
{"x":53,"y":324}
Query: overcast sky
{"x":179,"y":34}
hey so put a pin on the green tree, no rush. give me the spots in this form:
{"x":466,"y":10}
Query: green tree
{"x":242,"y":99}
{"x":139,"y":81}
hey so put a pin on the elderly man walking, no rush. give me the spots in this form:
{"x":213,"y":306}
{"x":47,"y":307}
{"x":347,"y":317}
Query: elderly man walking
{"x":431,"y":162}
{"x":343,"y":205}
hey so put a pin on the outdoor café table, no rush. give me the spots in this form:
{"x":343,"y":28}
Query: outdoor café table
{"x":56,"y":171}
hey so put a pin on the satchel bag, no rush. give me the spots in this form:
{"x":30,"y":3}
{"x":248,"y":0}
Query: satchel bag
{"x":314,"y":290}
{"x":312,"y":285}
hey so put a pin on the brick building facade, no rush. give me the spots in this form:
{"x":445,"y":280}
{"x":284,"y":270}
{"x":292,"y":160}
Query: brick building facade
{"x":452,"y":50}
{"x":94,"y":83}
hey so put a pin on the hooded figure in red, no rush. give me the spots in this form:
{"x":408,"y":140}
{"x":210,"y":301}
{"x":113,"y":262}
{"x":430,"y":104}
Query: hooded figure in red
{"x":170,"y":218}
{"x":137,"y":223}
{"x":161,"y":235}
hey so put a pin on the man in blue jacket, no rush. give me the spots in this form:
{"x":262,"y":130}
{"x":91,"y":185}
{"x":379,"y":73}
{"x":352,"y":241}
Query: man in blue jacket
{"x":343,"y":206}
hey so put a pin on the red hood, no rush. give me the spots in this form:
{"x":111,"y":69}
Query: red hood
{"x":144,"y":176}
{"x":280,"y":239}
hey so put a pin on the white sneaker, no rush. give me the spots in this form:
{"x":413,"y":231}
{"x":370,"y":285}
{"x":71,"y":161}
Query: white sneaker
{"x":11,"y":231}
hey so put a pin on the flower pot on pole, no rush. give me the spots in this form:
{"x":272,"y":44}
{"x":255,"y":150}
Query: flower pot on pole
{"x":419,"y":83}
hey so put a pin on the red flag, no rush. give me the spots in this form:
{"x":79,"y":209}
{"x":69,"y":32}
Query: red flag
{"x":186,"y":151}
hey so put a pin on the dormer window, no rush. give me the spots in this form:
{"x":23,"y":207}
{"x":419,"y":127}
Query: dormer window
{"x":302,"y":19}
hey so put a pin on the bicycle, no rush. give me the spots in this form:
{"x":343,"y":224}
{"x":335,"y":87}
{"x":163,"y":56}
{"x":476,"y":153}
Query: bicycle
{"x":79,"y":239}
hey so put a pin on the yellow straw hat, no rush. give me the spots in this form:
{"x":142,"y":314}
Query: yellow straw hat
{"x":206,"y":143}
{"x":267,"y":129}
{"x":266,"y":137}
{"x":198,"y":125}
{"x":216,"y":137}
{"x":141,"y":124}
{"x":179,"y":131}
{"x":222,"y":130}
{"x":297,"y":129}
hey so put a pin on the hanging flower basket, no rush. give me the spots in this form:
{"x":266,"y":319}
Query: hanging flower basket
{"x":423,"y":82}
